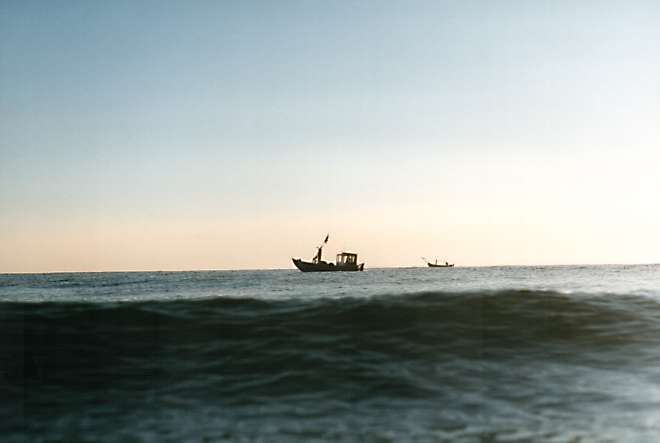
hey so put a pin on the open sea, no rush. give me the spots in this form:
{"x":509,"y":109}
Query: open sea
{"x":492,"y":354}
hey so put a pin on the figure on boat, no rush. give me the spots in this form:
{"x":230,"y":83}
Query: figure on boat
{"x":436,"y":265}
{"x":346,"y":261}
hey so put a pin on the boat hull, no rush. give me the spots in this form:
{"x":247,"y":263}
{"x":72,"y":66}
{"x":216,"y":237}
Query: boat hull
{"x":431,"y":265}
{"x":306,"y":266}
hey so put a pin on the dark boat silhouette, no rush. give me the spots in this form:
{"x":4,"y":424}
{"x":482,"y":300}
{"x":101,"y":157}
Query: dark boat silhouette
{"x":436,"y":265}
{"x":346,"y":261}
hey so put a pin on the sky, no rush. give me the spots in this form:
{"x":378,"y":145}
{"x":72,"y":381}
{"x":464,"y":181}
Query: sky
{"x":182,"y":135}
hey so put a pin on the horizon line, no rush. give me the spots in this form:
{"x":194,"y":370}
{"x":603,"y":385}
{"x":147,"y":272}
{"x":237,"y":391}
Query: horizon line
{"x":556,"y":265}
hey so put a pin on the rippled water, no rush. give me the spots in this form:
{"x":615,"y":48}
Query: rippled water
{"x":538,"y":354}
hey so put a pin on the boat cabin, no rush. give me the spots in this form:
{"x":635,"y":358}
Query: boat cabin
{"x":346,"y":258}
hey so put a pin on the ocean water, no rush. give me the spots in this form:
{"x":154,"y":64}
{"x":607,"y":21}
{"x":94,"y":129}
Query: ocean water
{"x":499,"y":354}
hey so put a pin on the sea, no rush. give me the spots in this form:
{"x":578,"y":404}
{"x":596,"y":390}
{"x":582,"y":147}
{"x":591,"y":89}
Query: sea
{"x":467,"y":354}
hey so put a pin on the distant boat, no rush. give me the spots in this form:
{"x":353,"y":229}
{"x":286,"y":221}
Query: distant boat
{"x":346,"y":261}
{"x":438,"y":265}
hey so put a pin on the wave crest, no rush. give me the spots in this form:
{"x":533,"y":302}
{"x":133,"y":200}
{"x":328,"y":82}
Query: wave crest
{"x":107,"y":343}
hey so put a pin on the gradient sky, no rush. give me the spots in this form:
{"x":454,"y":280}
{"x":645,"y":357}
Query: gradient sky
{"x":222,"y":135}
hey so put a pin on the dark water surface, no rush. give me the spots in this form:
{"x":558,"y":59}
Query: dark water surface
{"x":505,"y":354}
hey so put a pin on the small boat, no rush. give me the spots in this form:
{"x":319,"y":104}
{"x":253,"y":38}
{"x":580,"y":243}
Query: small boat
{"x":438,"y":265}
{"x":346,"y":261}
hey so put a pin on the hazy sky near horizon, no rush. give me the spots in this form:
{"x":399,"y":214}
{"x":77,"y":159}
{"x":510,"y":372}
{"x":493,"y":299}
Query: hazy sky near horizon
{"x":214,"y":135}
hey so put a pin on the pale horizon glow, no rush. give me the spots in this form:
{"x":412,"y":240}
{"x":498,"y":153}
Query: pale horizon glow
{"x":215,"y":135}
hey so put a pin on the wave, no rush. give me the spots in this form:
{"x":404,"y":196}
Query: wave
{"x":277,"y":344}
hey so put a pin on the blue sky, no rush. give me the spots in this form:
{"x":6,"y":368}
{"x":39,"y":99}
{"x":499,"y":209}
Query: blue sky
{"x":423,"y":122}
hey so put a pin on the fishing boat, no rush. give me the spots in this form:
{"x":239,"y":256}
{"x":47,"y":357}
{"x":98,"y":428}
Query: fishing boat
{"x":346,"y":261}
{"x":438,"y":265}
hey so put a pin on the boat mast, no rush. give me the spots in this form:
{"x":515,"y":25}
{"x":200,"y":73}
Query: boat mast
{"x":317,"y":258}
